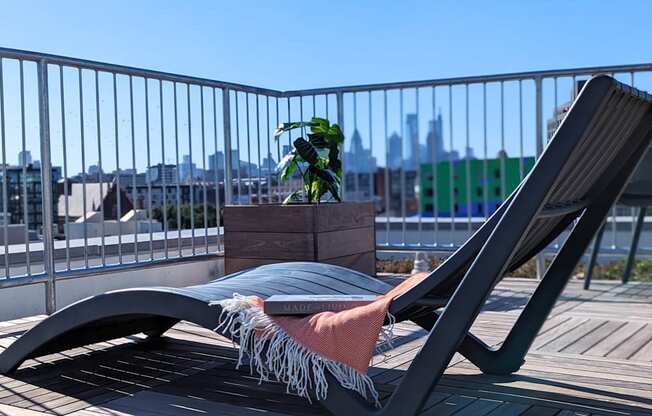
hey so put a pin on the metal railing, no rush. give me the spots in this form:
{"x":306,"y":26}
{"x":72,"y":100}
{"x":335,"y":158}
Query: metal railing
{"x":135,"y":165}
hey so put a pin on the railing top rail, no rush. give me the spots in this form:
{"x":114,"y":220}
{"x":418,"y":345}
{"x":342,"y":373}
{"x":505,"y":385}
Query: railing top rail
{"x":480,"y":79}
{"x":166,"y":76}
{"x":128,"y":70}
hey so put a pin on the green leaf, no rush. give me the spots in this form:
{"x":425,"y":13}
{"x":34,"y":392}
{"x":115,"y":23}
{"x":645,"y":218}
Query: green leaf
{"x":283,"y":127}
{"x":318,"y":140}
{"x":306,"y":150}
{"x":287,"y":165}
{"x":293,"y":197}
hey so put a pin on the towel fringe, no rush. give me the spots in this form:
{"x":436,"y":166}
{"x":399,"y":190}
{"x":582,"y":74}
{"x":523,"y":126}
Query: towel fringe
{"x":274,"y":353}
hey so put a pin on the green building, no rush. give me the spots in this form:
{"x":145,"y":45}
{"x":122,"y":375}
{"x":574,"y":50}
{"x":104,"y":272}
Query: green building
{"x":490,"y":183}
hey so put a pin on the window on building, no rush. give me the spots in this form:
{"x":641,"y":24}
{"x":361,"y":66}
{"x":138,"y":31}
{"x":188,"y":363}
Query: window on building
{"x":480,"y":192}
{"x":497,"y":191}
{"x":429,"y":208}
{"x":497,"y":173}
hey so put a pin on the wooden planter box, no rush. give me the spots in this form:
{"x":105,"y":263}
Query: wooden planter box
{"x":336,"y":233}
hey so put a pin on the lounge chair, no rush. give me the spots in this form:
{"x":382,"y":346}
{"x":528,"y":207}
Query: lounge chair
{"x":574,"y":183}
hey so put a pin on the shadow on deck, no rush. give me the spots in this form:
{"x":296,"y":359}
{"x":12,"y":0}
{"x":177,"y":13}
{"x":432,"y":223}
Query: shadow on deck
{"x":593,"y":356}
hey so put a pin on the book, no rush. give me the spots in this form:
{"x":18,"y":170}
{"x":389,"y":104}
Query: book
{"x":309,"y":304}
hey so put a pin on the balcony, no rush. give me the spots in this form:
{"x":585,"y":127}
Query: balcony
{"x":123,"y":182}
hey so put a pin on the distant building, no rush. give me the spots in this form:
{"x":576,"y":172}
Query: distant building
{"x":359,"y":165}
{"x":560,"y":111}
{"x":187,"y":170}
{"x":401,"y":185}
{"x":85,"y":204}
{"x":395,"y":161}
{"x":24,"y":158}
{"x":436,"y":193}
{"x":24,"y":198}
{"x":268,"y":165}
{"x":358,"y":158}
{"x":412,"y":141}
{"x":162,"y":173}
{"x":434,"y":142}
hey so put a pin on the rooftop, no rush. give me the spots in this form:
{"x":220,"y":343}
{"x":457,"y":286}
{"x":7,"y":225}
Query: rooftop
{"x":593,"y":357}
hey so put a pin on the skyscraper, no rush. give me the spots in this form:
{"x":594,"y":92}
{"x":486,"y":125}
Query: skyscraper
{"x":394,"y":155}
{"x":24,"y":158}
{"x":412,"y":141}
{"x":359,"y":159}
{"x":435,"y":141}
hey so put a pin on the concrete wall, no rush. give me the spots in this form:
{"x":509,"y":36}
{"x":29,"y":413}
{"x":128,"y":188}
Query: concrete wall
{"x":29,"y":300}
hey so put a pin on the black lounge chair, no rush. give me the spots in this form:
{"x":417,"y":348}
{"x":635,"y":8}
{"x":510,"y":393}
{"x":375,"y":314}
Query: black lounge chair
{"x":578,"y":177}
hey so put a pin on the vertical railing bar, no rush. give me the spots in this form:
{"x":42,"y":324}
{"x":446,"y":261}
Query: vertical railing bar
{"x":521,"y":163}
{"x":387,"y":166}
{"x":259,"y":191}
{"x":65,"y":163}
{"x":249,"y":180}
{"x":99,"y":164}
{"x":133,"y":163}
{"x":163,"y":168}
{"x":371,"y":152}
{"x":451,"y":175}
{"x":203,"y":152}
{"x":178,"y":178}
{"x":556,"y":102}
{"x":303,"y":130}
{"x":24,"y":170}
{"x":402,"y":176}
{"x":5,"y":225}
{"x":192,"y":174}
{"x":278,"y":154}
{"x":269,"y":153}
{"x":47,"y":188}
{"x":326,"y":102}
{"x":614,"y":219}
{"x":469,"y":205}
{"x":632,"y":210}
{"x":503,"y":167}
{"x":557,"y":240}
{"x":340,"y":122}
{"x":218,"y":217}
{"x":434,"y":166}
{"x":149,"y":165}
{"x":226,"y":127}
{"x":237,"y":139}
{"x":289,"y":184}
{"x":314,"y":106}
{"x":417,"y":159}
{"x":356,"y":183}
{"x":117,"y":163}
{"x":538,"y":86}
{"x":83,"y":161}
{"x":485,"y":163}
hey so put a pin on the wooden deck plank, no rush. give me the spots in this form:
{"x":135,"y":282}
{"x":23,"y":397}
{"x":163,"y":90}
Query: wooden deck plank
{"x":591,"y":357}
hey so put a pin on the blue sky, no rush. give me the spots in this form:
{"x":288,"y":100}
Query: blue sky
{"x":300,"y":44}
{"x":294,"y":44}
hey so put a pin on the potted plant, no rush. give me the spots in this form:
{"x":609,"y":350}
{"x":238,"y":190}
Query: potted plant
{"x":312,"y":223}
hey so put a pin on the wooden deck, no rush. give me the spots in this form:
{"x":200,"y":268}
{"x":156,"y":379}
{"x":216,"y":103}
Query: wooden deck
{"x":593,"y":357}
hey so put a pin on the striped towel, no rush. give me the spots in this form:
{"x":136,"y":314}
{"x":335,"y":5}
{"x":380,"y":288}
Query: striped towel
{"x":298,"y":350}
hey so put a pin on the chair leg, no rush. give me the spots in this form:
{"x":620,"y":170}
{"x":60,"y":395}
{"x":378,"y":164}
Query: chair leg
{"x":594,"y":258}
{"x":631,"y":257}
{"x":509,"y":357}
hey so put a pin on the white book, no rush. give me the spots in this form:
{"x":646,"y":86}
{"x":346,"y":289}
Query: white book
{"x":310,"y":304}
